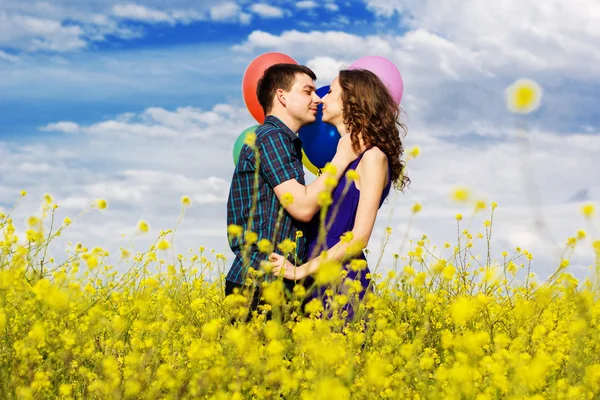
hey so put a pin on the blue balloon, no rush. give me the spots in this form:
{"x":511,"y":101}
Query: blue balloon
{"x":319,"y":139}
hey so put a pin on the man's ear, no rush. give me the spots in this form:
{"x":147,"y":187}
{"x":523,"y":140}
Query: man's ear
{"x":280,"y":95}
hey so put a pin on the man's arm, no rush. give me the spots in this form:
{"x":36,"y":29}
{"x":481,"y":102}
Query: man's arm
{"x":305,"y":198}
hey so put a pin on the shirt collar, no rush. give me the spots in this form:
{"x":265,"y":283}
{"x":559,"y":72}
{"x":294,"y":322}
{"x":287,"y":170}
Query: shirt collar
{"x":273,"y":120}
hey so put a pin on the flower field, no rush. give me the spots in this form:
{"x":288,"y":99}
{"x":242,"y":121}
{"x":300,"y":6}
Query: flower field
{"x":442,"y":323}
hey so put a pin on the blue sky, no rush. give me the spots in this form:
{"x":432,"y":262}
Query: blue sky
{"x":140,"y":103}
{"x":211,"y":75}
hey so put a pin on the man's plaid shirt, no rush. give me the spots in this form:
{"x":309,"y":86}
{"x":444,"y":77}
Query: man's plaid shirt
{"x":280,"y":152}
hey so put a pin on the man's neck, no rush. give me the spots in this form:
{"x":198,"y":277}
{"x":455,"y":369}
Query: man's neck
{"x":287,"y":120}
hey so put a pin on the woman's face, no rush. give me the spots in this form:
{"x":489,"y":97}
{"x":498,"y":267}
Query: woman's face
{"x":332,"y":104}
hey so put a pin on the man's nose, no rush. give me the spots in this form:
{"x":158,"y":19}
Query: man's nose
{"x":316,"y":98}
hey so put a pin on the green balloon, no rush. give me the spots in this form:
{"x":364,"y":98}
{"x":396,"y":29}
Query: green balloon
{"x":239,"y":142}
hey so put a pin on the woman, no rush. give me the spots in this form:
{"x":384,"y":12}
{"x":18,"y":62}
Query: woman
{"x":358,"y":104}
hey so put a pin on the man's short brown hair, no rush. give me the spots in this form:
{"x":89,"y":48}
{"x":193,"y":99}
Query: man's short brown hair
{"x":278,"y":76}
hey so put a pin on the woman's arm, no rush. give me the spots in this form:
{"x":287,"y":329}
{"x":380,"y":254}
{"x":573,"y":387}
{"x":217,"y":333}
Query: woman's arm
{"x":373,"y":178}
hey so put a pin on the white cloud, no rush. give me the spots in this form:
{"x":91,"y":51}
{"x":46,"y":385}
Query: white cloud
{"x":538,"y":35}
{"x":184,"y":122}
{"x":468,"y":77}
{"x":332,"y":7}
{"x":63,"y":126}
{"x":266,"y":10}
{"x":8,"y":57}
{"x":306,"y":4}
{"x":225,"y":11}
{"x":326,"y":68}
{"x":140,"y":13}
{"x":35,"y":34}
{"x":62,"y":26}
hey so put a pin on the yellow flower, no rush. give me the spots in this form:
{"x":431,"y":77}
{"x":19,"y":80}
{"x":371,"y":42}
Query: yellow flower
{"x":463,"y":310}
{"x":523,"y":96}
{"x":67,"y":221}
{"x":328,"y":272}
{"x":358,"y":264}
{"x":588,"y":210}
{"x":299,"y":234}
{"x":461,"y":195}
{"x":186,"y":201}
{"x":102,"y":204}
{"x":324,"y":199}
{"x":459,"y":217}
{"x":250,"y":139}
{"x":265,"y":246}
{"x":480,"y":205}
{"x":287,"y":199}
{"x":47,"y":198}
{"x":235,"y":230}
{"x":448,"y":272}
{"x":273,"y":294}
{"x":23,"y":193}
{"x":414,"y":152}
{"x":143,"y":226}
{"x":65,"y":390}
{"x":330,"y":182}
{"x":416,"y":208}
{"x":347,"y":237}
{"x":329,"y":169}
{"x":250,"y":237}
{"x":90,"y":260}
{"x":352,"y":175}
{"x":33,"y":222}
{"x":287,"y":246}
{"x":163,"y":245}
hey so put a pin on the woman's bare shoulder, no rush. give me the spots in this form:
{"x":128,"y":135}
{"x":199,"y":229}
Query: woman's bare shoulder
{"x":375,"y":155}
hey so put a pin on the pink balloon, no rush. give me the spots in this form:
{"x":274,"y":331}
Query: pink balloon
{"x":386,"y":71}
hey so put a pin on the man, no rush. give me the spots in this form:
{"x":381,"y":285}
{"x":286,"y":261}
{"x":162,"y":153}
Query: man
{"x":288,"y":97}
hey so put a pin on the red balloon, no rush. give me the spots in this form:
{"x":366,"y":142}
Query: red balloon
{"x":250,"y":80}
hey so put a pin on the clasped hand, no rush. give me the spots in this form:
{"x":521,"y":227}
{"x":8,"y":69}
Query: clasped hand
{"x":283,"y":267}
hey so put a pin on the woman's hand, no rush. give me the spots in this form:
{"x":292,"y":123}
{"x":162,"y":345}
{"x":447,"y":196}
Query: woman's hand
{"x":283,"y":267}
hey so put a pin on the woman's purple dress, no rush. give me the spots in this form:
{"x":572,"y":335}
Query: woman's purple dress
{"x":343,"y":221}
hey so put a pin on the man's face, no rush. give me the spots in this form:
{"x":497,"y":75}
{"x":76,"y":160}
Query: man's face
{"x":302,"y":100}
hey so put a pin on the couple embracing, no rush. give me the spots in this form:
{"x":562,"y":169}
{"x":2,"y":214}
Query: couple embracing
{"x":275,"y":204}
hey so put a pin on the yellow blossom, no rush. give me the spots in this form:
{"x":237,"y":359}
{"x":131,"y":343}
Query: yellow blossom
{"x":287,"y":199}
{"x":287,"y":246}
{"x":143,"y":226}
{"x":250,"y":139}
{"x":265,"y":246}
{"x":416,"y":208}
{"x":235,"y":230}
{"x":186,"y":201}
{"x":330,"y":169}
{"x":163,"y":245}
{"x":523,"y":96}
{"x":461,"y":194}
{"x":352,"y":175}
{"x":101,"y":204}
{"x":414,"y":152}
{"x":588,"y":210}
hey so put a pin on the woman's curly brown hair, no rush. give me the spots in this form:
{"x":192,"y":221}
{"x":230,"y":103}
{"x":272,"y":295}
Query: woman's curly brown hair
{"x":369,"y":109}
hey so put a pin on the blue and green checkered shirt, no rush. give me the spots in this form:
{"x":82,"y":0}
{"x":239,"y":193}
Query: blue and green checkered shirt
{"x":280,"y":152}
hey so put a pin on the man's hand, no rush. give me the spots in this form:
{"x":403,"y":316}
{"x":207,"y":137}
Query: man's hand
{"x":283,"y":267}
